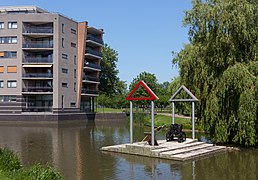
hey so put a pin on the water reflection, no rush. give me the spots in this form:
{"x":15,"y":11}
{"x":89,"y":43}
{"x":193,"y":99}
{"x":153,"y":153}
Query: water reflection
{"x":75,"y":150}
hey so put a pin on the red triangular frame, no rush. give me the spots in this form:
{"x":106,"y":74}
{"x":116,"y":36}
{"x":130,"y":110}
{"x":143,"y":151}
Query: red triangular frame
{"x":146,"y":87}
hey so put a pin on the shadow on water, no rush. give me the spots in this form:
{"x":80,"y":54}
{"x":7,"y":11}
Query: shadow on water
{"x":74,"y":149}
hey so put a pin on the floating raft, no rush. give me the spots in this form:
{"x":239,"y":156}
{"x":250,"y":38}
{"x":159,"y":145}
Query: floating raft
{"x":173,"y":150}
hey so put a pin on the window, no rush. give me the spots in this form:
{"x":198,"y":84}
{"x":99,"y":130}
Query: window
{"x":8,"y":54}
{"x":1,"y":69}
{"x":62,"y":42}
{"x":73,"y":45}
{"x":12,"y":25}
{"x":7,"y":98}
{"x":8,"y":40}
{"x":62,"y":28}
{"x":73,"y":31}
{"x":1,"y":25}
{"x":74,"y":60}
{"x":1,"y":84}
{"x":12,"y":69}
{"x":74,"y":73}
{"x":64,"y":70}
{"x":74,"y":87}
{"x":64,"y":56}
{"x":12,"y":84}
{"x":65,"y":85}
{"x":72,"y":104}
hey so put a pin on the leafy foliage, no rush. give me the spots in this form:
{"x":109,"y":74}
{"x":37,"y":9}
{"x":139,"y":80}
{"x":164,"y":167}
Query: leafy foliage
{"x":110,"y":83}
{"x":220,"y":67}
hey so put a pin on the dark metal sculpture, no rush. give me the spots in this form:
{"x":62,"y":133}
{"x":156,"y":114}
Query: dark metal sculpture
{"x":176,"y":131}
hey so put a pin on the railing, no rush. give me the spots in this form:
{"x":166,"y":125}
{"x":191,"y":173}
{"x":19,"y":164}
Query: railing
{"x":37,"y":109}
{"x":37,"y":89}
{"x":37,"y":45}
{"x":38,"y":60}
{"x":91,"y":78}
{"x":88,"y":64}
{"x":91,"y":51}
{"x":42,"y":30}
{"x":38,"y":75}
{"x":87,"y":91}
{"x":95,"y":39}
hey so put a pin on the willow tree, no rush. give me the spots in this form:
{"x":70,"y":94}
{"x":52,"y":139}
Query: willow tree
{"x":220,"y":66}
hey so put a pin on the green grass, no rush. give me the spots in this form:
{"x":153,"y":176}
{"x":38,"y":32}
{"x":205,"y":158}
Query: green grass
{"x":160,"y":120}
{"x":11,"y":169}
{"x":108,"y":110}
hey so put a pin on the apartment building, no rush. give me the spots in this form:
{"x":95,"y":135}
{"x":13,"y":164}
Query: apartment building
{"x":49,"y":63}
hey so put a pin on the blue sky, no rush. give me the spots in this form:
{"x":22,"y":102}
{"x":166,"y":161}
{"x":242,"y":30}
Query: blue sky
{"x":143,"y":32}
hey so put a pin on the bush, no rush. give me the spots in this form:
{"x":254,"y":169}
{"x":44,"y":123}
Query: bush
{"x":8,"y":160}
{"x":11,"y":168}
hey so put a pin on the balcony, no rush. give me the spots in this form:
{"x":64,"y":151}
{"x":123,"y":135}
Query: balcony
{"x":92,"y":65}
{"x":91,"y":78}
{"x":93,"y":52}
{"x":37,"y":89}
{"x":88,"y":91}
{"x":37,"y":75}
{"x":37,"y":109}
{"x":40,"y":60}
{"x":38,"y":30}
{"x":37,"y":45}
{"x":95,"y":39}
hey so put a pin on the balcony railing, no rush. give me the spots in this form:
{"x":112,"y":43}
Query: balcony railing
{"x":37,"y":60}
{"x":38,"y":30}
{"x":37,"y":109}
{"x":95,"y":39}
{"x":88,"y":64}
{"x":37,"y":45}
{"x":38,"y":75}
{"x":91,"y":51}
{"x":37,"y":89}
{"x":87,"y":91}
{"x":91,"y":78}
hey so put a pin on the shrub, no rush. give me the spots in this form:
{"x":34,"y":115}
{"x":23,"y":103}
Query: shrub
{"x":8,"y":160}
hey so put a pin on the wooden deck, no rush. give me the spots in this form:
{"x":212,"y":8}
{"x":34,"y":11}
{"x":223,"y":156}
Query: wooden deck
{"x":187,"y":150}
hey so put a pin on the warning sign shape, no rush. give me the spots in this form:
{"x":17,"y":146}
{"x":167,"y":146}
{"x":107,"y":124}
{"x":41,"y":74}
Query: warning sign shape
{"x":148,"y":90}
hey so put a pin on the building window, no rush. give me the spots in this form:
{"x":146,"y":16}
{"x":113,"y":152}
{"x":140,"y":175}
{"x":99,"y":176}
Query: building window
{"x":72,"y":104}
{"x":74,"y":73}
{"x":12,"y":25}
{"x":62,"y":28}
{"x":73,"y":31}
{"x":7,"y":98}
{"x":8,"y":54}
{"x":1,"y":69}
{"x":64,"y":56}
{"x":74,"y":87}
{"x":1,"y":25}
{"x":8,"y":40}
{"x":73,"y":45}
{"x":74,"y":60}
{"x":1,"y":84}
{"x":12,"y":84}
{"x":12,"y":69}
{"x":64,"y":70}
{"x":62,"y":42}
{"x":65,"y":85}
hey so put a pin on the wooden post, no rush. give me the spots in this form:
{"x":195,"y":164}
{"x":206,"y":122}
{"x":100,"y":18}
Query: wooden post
{"x":173,"y":113}
{"x":152,"y":123}
{"x":193,"y":130}
{"x":131,"y":122}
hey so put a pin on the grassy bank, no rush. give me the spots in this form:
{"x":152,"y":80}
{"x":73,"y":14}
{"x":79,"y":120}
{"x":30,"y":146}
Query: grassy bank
{"x":11,"y":169}
{"x":161,"y":120}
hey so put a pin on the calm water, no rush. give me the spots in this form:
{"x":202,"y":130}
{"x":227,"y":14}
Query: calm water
{"x":75,"y":151}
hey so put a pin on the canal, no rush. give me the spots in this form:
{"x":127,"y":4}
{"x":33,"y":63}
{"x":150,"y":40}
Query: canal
{"x":74,"y":149}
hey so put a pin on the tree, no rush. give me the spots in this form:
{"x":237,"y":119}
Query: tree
{"x":110,"y":84}
{"x":150,"y":80}
{"x":220,"y":66}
